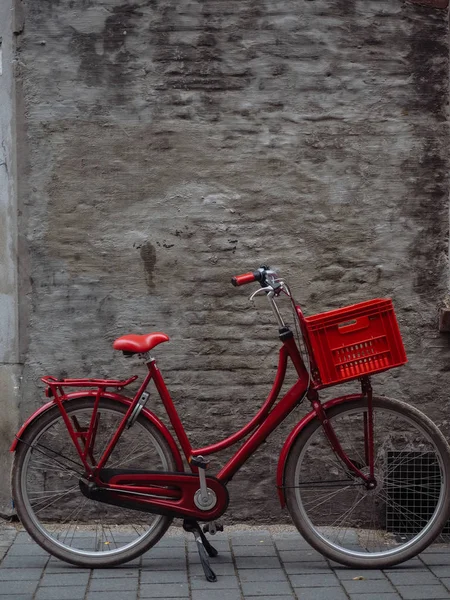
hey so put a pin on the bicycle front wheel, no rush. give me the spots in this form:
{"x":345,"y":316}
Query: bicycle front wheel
{"x":370,"y":528}
{"x":46,"y":477}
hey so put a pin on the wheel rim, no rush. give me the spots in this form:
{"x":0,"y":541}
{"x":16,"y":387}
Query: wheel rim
{"x":378,"y":523}
{"x":59,"y":511}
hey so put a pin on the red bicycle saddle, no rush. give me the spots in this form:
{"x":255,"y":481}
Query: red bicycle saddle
{"x":139,"y":343}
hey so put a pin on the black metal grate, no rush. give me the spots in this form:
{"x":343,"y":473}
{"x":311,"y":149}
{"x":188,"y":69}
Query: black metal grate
{"x":412,"y":483}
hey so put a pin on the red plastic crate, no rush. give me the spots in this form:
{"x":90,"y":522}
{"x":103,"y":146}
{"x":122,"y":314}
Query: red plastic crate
{"x":354,"y":341}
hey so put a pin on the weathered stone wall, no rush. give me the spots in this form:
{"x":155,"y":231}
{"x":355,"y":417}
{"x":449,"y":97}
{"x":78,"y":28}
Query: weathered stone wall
{"x":172,"y":143}
{"x":10,"y":367}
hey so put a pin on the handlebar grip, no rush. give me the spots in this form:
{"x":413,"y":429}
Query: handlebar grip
{"x":243,"y":279}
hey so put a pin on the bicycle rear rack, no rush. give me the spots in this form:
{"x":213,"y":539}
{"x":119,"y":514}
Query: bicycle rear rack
{"x":55,"y":385}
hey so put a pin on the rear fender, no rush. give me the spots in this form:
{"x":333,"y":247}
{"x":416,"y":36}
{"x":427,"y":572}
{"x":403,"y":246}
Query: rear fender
{"x":294,"y":435}
{"x":116,"y":397}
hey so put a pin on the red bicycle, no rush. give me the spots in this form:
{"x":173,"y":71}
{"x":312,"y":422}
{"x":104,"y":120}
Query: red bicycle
{"x":97,"y":477}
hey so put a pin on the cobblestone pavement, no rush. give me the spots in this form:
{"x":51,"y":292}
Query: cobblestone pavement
{"x":264,"y":563}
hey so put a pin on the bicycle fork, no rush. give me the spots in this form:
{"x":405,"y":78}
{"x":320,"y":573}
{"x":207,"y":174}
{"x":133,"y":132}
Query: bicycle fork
{"x":368,"y":479}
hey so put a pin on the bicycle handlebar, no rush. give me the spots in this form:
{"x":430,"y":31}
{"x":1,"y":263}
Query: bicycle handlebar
{"x":246,"y":278}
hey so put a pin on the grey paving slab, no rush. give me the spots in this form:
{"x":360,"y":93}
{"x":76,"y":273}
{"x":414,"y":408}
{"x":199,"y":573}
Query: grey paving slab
{"x":367,"y":586}
{"x":320,"y":593}
{"x":29,"y":549}
{"x":165,"y":590}
{"x":224,"y":582}
{"x":378,"y":596}
{"x":269,"y":588}
{"x":365,"y":573}
{"x":315,"y":580}
{"x":422,"y":592}
{"x":9,"y":588}
{"x":60,"y":593}
{"x":224,"y":595}
{"x":438,"y":558}
{"x":109,"y":596}
{"x":265,"y":550}
{"x":164,"y":576}
{"x":300,"y":555}
{"x":299,"y":568}
{"x":64,"y":579}
{"x":440,"y":570}
{"x":24,"y":562}
{"x":23,"y":574}
{"x":127,"y":584}
{"x":251,"y":538}
{"x":418,"y":577}
{"x":113,"y":573}
{"x":257,"y":562}
{"x":219,"y":569}
{"x":18,"y":596}
{"x":246,"y":575}
{"x":290,"y":597}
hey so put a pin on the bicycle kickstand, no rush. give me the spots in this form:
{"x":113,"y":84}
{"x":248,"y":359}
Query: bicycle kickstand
{"x":203,"y":546}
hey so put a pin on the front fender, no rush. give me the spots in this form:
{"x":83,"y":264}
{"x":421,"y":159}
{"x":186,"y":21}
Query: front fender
{"x":298,"y":431}
{"x":118,"y":398}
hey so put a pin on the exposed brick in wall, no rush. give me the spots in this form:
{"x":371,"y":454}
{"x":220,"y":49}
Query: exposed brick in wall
{"x":173,"y":144}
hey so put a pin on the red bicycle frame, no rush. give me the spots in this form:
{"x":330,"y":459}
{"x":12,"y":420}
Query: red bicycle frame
{"x":173,"y":493}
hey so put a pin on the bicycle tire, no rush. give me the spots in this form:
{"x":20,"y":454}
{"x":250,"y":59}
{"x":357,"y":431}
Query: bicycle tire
{"x":45,"y":485}
{"x":363,"y":528}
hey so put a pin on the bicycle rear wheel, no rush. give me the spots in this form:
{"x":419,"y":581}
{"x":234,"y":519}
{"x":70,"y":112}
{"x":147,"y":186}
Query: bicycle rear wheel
{"x":377,"y":528}
{"x":46,"y":478}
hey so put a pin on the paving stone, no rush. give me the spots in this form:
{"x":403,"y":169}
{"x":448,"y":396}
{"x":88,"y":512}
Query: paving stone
{"x":441,"y":570}
{"x":225,"y":557}
{"x":292,"y":544}
{"x":218,"y":568}
{"x":300,"y":555}
{"x":366,"y":573}
{"x":419,"y":577}
{"x":438,"y":558}
{"x":60,"y":593}
{"x":255,"y":550}
{"x":18,"y":596}
{"x":257,"y":562}
{"x":368,"y":586}
{"x":167,"y":552}
{"x":166,"y":590}
{"x":419,"y":592}
{"x":314,"y":580}
{"x":252,"y":538}
{"x":114,"y":572}
{"x":163,"y":564}
{"x":103,"y":585}
{"x":22,"y":574}
{"x":63,"y":579}
{"x":9,"y":588}
{"x":269,"y":588}
{"x":62,"y":568}
{"x":224,"y":595}
{"x":290,"y":597}
{"x":223,"y":582}
{"x":306,"y":567}
{"x":376,"y":596}
{"x":317,"y":593}
{"x":164,"y":577}
{"x":30,"y":549}
{"x":108,"y":596}
{"x":24,"y":562}
{"x":262,"y":575}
